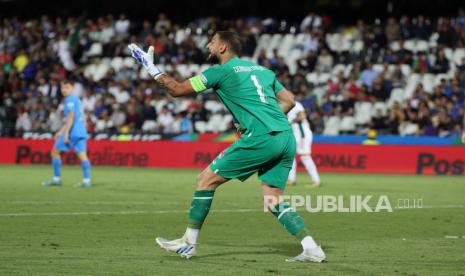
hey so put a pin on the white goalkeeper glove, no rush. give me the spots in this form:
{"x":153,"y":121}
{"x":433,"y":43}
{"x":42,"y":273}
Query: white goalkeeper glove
{"x":145,"y":59}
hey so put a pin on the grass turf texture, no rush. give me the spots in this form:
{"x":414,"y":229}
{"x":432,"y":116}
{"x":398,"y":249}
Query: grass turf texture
{"x":110,"y":228}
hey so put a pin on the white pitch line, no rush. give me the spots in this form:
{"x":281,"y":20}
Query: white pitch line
{"x":451,"y":237}
{"x":103,"y":213}
{"x":44,"y":202}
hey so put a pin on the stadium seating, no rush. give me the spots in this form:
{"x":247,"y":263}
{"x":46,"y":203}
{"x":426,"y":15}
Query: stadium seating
{"x":332,"y":126}
{"x":350,"y":50}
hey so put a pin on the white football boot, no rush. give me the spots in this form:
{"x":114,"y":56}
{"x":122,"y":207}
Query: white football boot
{"x":315,"y":255}
{"x":179,"y":246}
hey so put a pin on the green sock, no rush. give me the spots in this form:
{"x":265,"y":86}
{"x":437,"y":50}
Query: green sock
{"x":292,"y":221}
{"x":199,"y":208}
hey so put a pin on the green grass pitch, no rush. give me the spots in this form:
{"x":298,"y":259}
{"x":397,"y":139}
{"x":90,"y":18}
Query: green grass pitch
{"x":110,"y":228}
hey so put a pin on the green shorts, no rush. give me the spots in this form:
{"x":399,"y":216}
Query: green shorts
{"x":271,"y":155}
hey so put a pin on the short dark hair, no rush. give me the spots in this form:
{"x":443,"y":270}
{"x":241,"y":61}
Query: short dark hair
{"x":67,"y":81}
{"x":232,"y":39}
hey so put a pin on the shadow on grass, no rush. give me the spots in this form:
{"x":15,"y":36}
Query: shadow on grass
{"x":284,"y":249}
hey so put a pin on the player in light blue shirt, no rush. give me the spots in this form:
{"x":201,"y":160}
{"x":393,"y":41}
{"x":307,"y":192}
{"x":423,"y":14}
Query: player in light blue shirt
{"x":73,"y":135}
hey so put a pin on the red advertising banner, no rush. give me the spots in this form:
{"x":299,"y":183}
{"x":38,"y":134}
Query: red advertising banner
{"x":431,"y":160}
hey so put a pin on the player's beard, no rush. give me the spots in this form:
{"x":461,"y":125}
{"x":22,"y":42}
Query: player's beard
{"x":213,"y":58}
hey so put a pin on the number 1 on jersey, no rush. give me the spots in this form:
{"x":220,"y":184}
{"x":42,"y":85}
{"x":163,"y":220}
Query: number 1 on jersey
{"x":259,"y":88}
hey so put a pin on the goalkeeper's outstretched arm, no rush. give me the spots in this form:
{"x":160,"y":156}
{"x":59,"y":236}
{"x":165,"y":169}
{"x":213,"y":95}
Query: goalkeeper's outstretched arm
{"x":175,"y":88}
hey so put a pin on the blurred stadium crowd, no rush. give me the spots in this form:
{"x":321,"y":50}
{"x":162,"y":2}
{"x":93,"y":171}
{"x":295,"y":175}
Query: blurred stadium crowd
{"x":401,"y":76}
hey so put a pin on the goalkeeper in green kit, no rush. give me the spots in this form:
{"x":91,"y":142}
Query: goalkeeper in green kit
{"x":258,"y":102}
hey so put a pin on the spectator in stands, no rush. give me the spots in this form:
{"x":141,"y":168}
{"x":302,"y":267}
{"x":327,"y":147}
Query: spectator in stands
{"x":21,"y":60}
{"x":461,"y":69}
{"x":352,"y":88}
{"x":405,"y":27}
{"x":421,"y":28}
{"x":149,"y":112}
{"x":274,"y":59}
{"x":398,"y":78}
{"x":118,"y":116}
{"x":360,"y":29}
{"x":381,"y":88}
{"x":444,"y":125}
{"x":396,"y":116}
{"x":261,"y":57}
{"x":327,"y":105}
{"x":403,"y":56}
{"x":122,"y":27}
{"x":107,"y":31}
{"x":410,"y":126}
{"x":308,"y":63}
{"x":54,"y":121}
{"x":133,"y":119}
{"x":311,"y":21}
{"x":163,"y":24}
{"x":379,"y":122}
{"x":421,"y":63}
{"x":30,"y":69}
{"x":250,"y":42}
{"x":347,"y":106}
{"x":368,"y":75}
{"x":419,"y":95}
{"x":441,"y":65}
{"x":459,"y":41}
{"x":446,"y":32}
{"x":297,"y":82}
{"x":317,"y":123}
{"x":165,"y":119}
{"x":23,"y":123}
{"x":38,"y":116}
{"x":389,"y":56}
{"x":424,"y":120}
{"x":281,"y":66}
{"x":181,"y":124}
{"x":311,"y":41}
{"x":460,"y":20}
{"x":146,"y":30}
{"x":103,"y":122}
{"x":392,"y":30}
{"x":324,"y":62}
{"x":89,"y":100}
{"x":121,"y":95}
{"x":192,"y":53}
{"x":457,"y":90}
{"x":379,"y":36}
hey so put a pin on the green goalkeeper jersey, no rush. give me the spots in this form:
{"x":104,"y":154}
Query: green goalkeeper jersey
{"x":248,"y":91}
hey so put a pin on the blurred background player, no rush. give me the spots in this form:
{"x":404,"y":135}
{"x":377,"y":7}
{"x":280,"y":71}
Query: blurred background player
{"x":303,"y":136}
{"x":258,"y":101}
{"x":72,"y":135}
{"x":371,"y":138}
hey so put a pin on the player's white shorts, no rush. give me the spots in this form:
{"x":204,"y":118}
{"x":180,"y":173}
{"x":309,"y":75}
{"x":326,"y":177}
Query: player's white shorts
{"x":304,"y":145}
